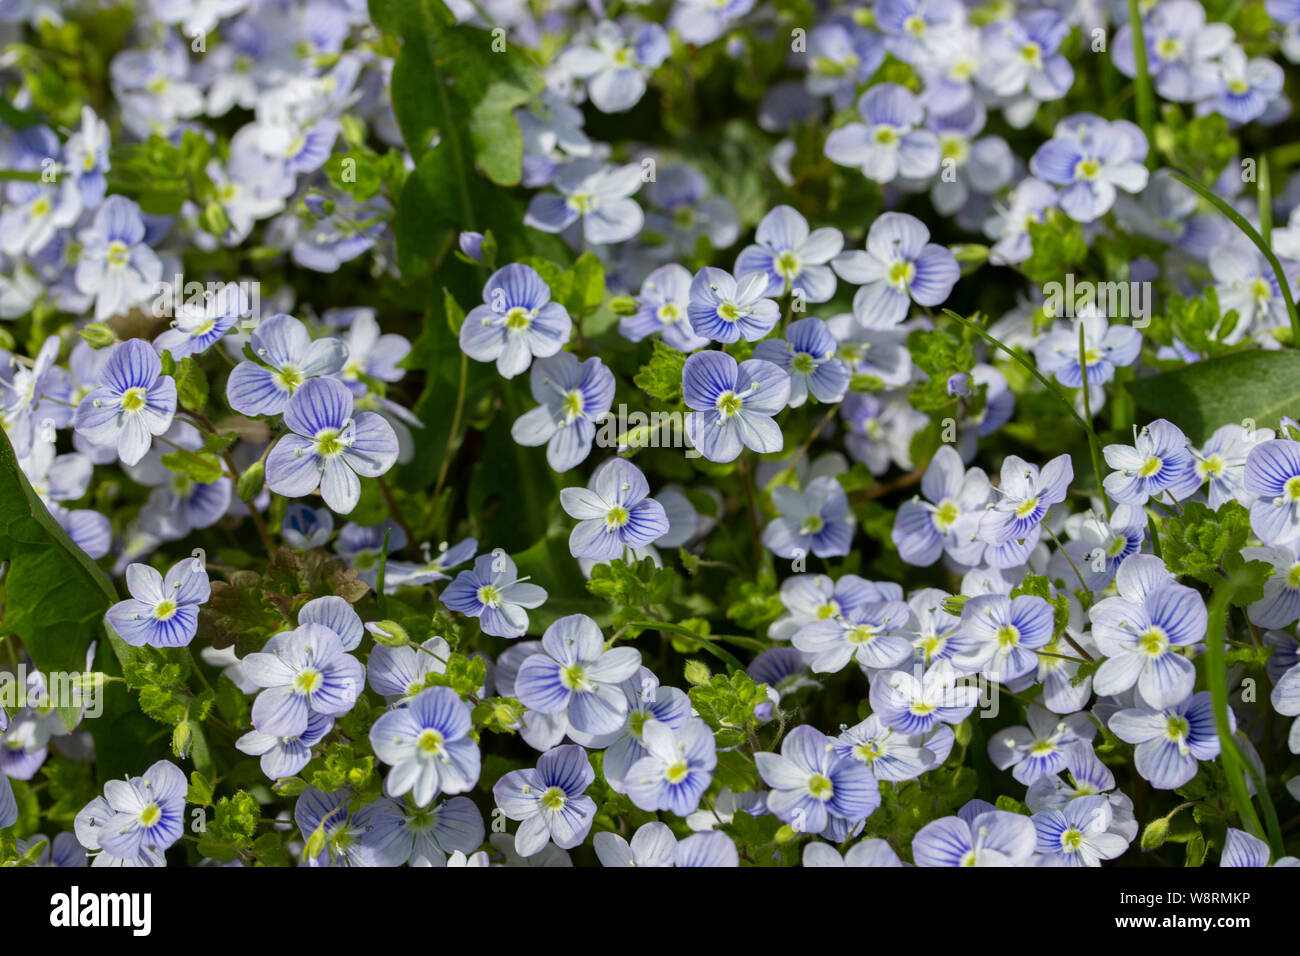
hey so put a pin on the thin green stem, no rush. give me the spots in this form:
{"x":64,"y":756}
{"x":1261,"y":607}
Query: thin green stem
{"x":725,"y":656}
{"x":1068,"y":560}
{"x":802,"y":450}
{"x":455,"y":427}
{"x":1094,"y":447}
{"x":1242,"y":223}
{"x":751,"y":508}
{"x":1029,"y":367}
{"x":391,"y":504}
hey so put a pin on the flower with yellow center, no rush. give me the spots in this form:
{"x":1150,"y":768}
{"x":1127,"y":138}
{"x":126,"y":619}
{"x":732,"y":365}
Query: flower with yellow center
{"x":1087,"y":169}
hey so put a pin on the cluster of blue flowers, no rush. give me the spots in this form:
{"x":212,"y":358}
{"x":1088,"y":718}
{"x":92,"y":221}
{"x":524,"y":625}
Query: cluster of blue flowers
{"x":951,"y":569}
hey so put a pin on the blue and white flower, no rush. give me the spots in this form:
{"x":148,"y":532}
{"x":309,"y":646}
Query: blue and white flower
{"x":517,"y":321}
{"x":427,"y":746}
{"x":575,"y":675}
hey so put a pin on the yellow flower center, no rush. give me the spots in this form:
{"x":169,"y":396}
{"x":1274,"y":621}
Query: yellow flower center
{"x":862,"y":634}
{"x":1151,"y":466}
{"x":676,"y":773}
{"x":820,"y":787}
{"x":1176,"y":728}
{"x":289,"y":377}
{"x":1154,"y":641}
{"x":328,"y":443}
{"x":901,"y":273}
{"x":1211,"y":467}
{"x":133,"y":399}
{"x":787,"y":264}
{"x":573,"y":677}
{"x":867,"y":752}
{"x":729,"y":404}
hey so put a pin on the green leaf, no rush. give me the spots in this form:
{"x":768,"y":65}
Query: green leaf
{"x":204,"y":467}
{"x":55,"y":596}
{"x":219,"y":443}
{"x":200,"y":790}
{"x":54,"y":599}
{"x":662,"y":377}
{"x":1058,"y":247}
{"x":248,"y":608}
{"x":461,"y":84}
{"x":191,"y":385}
{"x":455,"y":314}
{"x":1257,"y":385}
{"x":436,"y":204}
{"x":585,"y":286}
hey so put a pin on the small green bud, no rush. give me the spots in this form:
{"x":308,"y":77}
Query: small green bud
{"x":182,"y":736}
{"x":214,"y":219}
{"x":1155,"y":834}
{"x":290,"y":786}
{"x":697,"y":673}
{"x":388,"y":633}
{"x":623,"y":305}
{"x":88,"y":682}
{"x":315,"y":843}
{"x":98,"y":335}
{"x":250,"y":482}
{"x":970,"y":256}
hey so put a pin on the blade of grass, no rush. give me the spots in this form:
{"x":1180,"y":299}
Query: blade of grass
{"x":1264,"y":196}
{"x":1264,"y":248}
{"x":1235,"y":765}
{"x":1142,"y":94}
{"x":379,"y":581}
